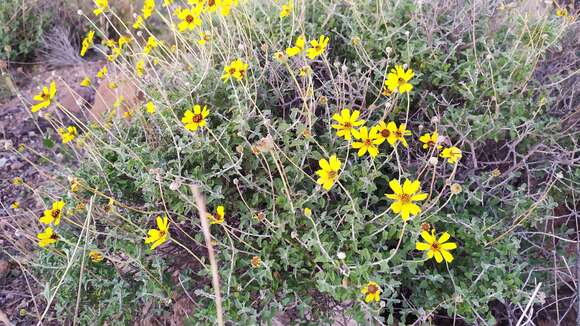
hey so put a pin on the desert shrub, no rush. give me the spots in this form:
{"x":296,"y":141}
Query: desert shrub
{"x":287,"y":245}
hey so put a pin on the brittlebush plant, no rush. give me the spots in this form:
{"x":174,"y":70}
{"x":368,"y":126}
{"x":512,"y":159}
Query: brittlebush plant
{"x":334,"y":143}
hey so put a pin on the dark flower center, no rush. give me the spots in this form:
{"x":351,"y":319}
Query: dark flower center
{"x":435,"y":246}
{"x":211,"y":3}
{"x":332,"y":174}
{"x":189,"y":19}
{"x":372,"y":288}
{"x":401,"y":80}
{"x":197,"y":118}
{"x":398,"y":134}
{"x":232,"y":71}
{"x":55,"y":213}
{"x":368,"y":142}
{"x":385,"y":133}
{"x":347,"y":125}
{"x":54,"y":236}
{"x":405,"y":198}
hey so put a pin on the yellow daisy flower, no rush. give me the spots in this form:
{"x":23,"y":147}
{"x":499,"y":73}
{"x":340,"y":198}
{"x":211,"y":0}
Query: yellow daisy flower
{"x":148,"y":7}
{"x":102,"y":73}
{"x":204,"y":37}
{"x":96,"y":256}
{"x":369,"y":141}
{"x":139,"y":22}
{"x":372,"y":292}
{"x":256,"y":262}
{"x":452,"y":154}
{"x":218,"y":216}
{"x":152,"y":43}
{"x":54,"y":214}
{"x":297,"y":48}
{"x":159,"y":235}
{"x":87,"y":42}
{"x":328,"y":173}
{"x":561,"y":12}
{"x":237,"y":69}
{"x":45,"y":97}
{"x":286,"y":9}
{"x":346,"y":123}
{"x":195,"y":119}
{"x":102,"y":5}
{"x":15,"y":205}
{"x":397,"y":133}
{"x":140,"y":68}
{"x":437,"y":248}
{"x":67,"y":134}
{"x":317,"y":47}
{"x":46,"y":237}
{"x":150,"y":107}
{"x":404,"y":196}
{"x":189,"y":18}
{"x":86,"y":82}
{"x":398,"y":79}
{"x":430,"y":140}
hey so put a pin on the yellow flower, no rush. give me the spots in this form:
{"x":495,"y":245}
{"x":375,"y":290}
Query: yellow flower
{"x":148,"y":7}
{"x":308,"y":211}
{"x":317,"y":47}
{"x":47,"y":237}
{"x":430,"y":140}
{"x":237,"y":69}
{"x":53,"y":214}
{"x":369,"y":141}
{"x":139,"y":22}
{"x":256,"y":262}
{"x":452,"y":154}
{"x":218,"y":216}
{"x":195,"y":119}
{"x":74,"y":185}
{"x":398,"y":79}
{"x":119,"y":101}
{"x":124,"y":40}
{"x":112,"y":85}
{"x":86,"y":82}
{"x":45,"y":97}
{"x":438,"y":248}
{"x":96,"y":256}
{"x":346,"y":123}
{"x":286,"y":9}
{"x":404,"y":196}
{"x":204,"y":38}
{"x":561,"y":12}
{"x":87,"y":42}
{"x":140,"y":68}
{"x":280,"y":56}
{"x":297,"y":48}
{"x":67,"y":134}
{"x":305,"y":71}
{"x":159,"y":235}
{"x":15,"y":205}
{"x":16,"y":181}
{"x":189,"y":18}
{"x":372,"y":292}
{"x":102,"y":5}
{"x":167,"y":3}
{"x":152,"y":43}
{"x":150,"y":107}
{"x":102,"y":73}
{"x":397,"y":133}
{"x":328,"y":173}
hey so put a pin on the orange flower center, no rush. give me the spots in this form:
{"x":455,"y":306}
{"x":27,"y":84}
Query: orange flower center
{"x":55,"y":213}
{"x":211,"y":3}
{"x":401,"y":80}
{"x":347,"y":125}
{"x":398,"y":134}
{"x":385,"y":133}
{"x":162,"y":234}
{"x":197,"y":118}
{"x":189,"y":18}
{"x":405,"y":198}
{"x":368,"y":142}
{"x":45,"y":96}
{"x":435,"y":246}
{"x":332,"y":174}
{"x":372,"y":288}
{"x":54,"y":236}
{"x":232,"y":71}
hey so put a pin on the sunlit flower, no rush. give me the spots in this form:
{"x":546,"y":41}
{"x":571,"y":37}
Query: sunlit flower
{"x":346,"y":123}
{"x":297,"y":48}
{"x":452,"y":154}
{"x":150,"y":107}
{"x":398,"y":79}
{"x":397,"y":134}
{"x":67,"y":134}
{"x":140,"y":68}
{"x":256,"y":262}
{"x":328,"y":173}
{"x":307,"y":210}
{"x":204,"y":37}
{"x":15,"y":205}
{"x":152,"y":43}
{"x":139,"y":22}
{"x":367,"y":141}
{"x":286,"y":9}
{"x":189,"y":18}
{"x":102,"y":73}
{"x":561,"y":12}
{"x":317,"y":47}
{"x":195,"y":119}
{"x":430,"y":140}
{"x":96,"y":256}
{"x":148,"y":7}
{"x":159,"y":235}
{"x":436,"y":248}
{"x":87,"y":42}
{"x":102,"y":5}
{"x":305,"y":71}
{"x":45,"y":97}
{"x":237,"y":69}
{"x":17,"y":181}
{"x":404,"y":196}
{"x":54,"y":214}
{"x":218,"y":216}
{"x":372,"y":292}
{"x":86,"y":82}
{"x":47,"y":237}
